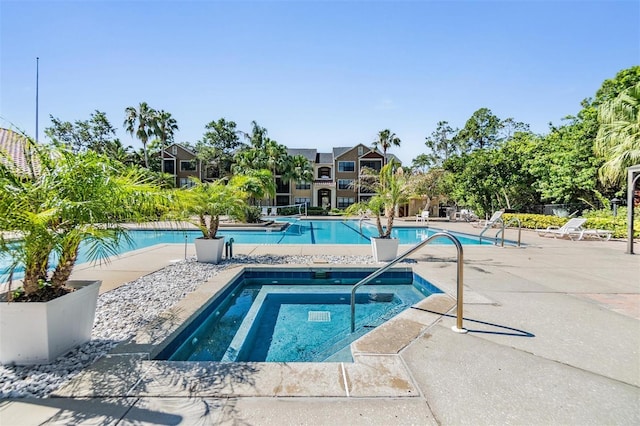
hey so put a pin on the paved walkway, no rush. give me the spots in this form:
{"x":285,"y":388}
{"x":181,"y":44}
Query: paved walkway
{"x":554,"y":338}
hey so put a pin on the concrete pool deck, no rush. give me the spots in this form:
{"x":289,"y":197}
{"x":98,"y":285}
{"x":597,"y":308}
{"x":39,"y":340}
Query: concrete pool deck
{"x":554,"y":338}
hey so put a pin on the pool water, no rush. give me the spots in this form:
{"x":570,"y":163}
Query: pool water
{"x":282,"y":318}
{"x":299,"y":231}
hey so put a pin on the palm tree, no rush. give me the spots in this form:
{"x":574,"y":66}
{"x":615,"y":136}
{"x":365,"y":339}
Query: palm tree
{"x":618,"y":139}
{"x":141,"y":122}
{"x":66,"y":200}
{"x":165,"y":127}
{"x":386,"y":139}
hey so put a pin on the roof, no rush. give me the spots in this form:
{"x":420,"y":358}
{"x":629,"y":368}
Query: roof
{"x":309,"y":154}
{"x":12,"y":145}
{"x":394,"y":158}
{"x":337,"y":152}
{"x":325,"y":158}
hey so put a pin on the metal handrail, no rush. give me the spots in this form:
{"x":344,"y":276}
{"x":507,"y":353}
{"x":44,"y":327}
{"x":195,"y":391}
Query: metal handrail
{"x":489,"y":226}
{"x":502,"y":228}
{"x":458,"y":327}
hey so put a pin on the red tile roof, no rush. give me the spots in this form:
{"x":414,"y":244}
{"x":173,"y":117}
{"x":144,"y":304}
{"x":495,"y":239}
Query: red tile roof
{"x":12,"y":146}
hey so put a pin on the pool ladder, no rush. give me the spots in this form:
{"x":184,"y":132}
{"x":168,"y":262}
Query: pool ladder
{"x":500,"y":232}
{"x":459,"y":261}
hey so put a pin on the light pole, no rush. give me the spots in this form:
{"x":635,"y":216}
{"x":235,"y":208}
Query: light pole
{"x":615,"y":203}
{"x":37,"y":78}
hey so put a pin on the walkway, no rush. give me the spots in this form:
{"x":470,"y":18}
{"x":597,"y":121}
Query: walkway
{"x":554,"y":338}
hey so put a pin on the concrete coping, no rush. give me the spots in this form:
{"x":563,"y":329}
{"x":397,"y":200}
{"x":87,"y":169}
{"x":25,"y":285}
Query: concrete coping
{"x":376,"y":370}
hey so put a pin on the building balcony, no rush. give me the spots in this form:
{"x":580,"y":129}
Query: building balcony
{"x":324,"y":182}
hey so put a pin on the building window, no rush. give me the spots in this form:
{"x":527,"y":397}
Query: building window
{"x":174,"y":150}
{"x":186,"y":183}
{"x":344,"y":202}
{"x":303,"y":185}
{"x":346,"y":166}
{"x":187,"y":166}
{"x":282,"y":186}
{"x":360,"y":150}
{"x":345,"y":183}
{"x":375,"y":164}
{"x":302,"y":200}
{"x":282,"y":200}
{"x":324,"y":173}
{"x":170,"y":167}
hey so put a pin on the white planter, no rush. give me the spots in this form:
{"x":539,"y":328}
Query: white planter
{"x":384,"y":249}
{"x":39,"y":332}
{"x":209,"y":250}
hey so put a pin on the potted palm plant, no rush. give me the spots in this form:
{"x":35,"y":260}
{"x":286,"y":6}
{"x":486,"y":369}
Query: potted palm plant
{"x":203,"y":205}
{"x":53,"y":203}
{"x":391,"y":188}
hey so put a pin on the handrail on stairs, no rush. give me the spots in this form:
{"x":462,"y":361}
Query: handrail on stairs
{"x":459,"y":289}
{"x":506,"y":225}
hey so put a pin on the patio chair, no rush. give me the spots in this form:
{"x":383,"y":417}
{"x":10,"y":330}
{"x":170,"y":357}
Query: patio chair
{"x":423,"y":217}
{"x":493,"y":220}
{"x":573,"y":230}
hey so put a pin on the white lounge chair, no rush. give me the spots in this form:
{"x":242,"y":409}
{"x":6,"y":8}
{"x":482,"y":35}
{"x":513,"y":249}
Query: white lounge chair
{"x":573,"y":230}
{"x":568,"y":230}
{"x":493,"y":220}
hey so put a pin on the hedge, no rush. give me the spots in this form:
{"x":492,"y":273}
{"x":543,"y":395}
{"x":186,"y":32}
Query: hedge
{"x":540,"y":221}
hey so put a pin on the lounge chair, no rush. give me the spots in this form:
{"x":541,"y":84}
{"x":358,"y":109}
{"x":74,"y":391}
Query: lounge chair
{"x":493,"y":220}
{"x":574,"y":231}
{"x":568,"y":230}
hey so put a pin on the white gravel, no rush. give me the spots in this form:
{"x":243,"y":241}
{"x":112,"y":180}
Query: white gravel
{"x":118,"y":317}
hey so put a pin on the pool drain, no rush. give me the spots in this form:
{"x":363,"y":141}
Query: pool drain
{"x":319,"y":316}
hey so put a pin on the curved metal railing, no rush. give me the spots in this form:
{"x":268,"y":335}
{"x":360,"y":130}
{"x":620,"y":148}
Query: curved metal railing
{"x":458,"y":327}
{"x":506,"y":225}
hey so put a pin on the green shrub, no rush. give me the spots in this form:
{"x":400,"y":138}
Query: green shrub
{"x":539,"y":221}
{"x":253,"y":214}
{"x":316,"y":211}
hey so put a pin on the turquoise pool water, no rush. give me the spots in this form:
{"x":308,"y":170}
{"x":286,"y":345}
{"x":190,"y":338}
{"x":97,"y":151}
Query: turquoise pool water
{"x":285,"y":316}
{"x":300,"y":231}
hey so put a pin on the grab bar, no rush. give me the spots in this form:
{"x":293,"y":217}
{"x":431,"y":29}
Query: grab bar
{"x":489,"y":226}
{"x":505,"y":225}
{"x":459,"y":261}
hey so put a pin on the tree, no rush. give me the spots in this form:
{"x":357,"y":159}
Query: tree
{"x":68,"y":199}
{"x":480,"y":131}
{"x":141,"y":122}
{"x":96,"y":134}
{"x":429,"y":184}
{"x":164,"y":128}
{"x":386,"y":139}
{"x":218,"y":145}
{"x":442,"y":144}
{"x":421,"y":163}
{"x":618,"y":139}
{"x":509,"y":127}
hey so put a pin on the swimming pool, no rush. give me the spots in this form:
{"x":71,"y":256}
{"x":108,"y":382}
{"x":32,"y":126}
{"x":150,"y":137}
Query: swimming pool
{"x":294,"y":315}
{"x":299,"y":231}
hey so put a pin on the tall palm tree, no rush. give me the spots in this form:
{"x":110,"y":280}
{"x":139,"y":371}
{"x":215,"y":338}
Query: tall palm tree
{"x":618,"y":139}
{"x":141,"y":122}
{"x":165,"y":127}
{"x":386,"y":139}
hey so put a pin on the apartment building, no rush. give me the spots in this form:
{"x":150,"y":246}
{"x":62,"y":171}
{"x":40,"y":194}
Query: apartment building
{"x":182,"y":163}
{"x":336,"y":174}
{"x":335,"y":177}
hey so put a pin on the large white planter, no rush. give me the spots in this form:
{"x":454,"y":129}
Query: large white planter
{"x":39,"y":332}
{"x":209,"y":250}
{"x":384,"y":249}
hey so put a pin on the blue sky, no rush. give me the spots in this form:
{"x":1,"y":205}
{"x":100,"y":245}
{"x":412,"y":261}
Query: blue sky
{"x":315,"y":74}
